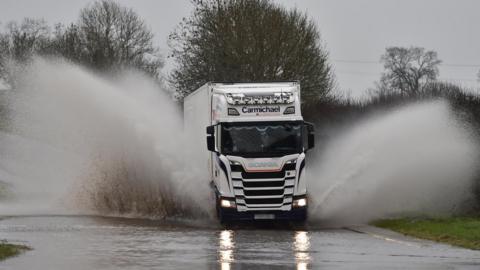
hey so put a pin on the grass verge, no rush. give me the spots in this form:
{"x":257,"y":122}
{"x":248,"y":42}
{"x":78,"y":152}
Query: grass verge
{"x":458,"y":231}
{"x":8,"y":250}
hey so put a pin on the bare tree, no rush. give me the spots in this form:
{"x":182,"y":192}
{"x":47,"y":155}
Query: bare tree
{"x":249,"y":40}
{"x":408,"y":70}
{"x":113,"y":36}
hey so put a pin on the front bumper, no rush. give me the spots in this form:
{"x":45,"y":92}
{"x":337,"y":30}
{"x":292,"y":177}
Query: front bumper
{"x":227,"y":214}
{"x":296,"y":214}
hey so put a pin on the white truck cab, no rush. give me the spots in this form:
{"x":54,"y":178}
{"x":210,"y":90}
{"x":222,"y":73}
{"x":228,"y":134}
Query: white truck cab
{"x":255,"y":152}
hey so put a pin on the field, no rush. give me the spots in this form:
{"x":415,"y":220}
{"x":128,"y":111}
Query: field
{"x":458,"y":231}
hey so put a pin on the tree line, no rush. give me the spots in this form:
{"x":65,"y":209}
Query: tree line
{"x":223,"y":40}
{"x":226,"y":40}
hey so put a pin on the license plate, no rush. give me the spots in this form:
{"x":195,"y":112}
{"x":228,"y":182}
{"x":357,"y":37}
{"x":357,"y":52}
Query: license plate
{"x":264,"y":216}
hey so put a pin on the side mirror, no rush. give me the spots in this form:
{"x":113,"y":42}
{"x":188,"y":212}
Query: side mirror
{"x":211,"y":138}
{"x":310,"y":135}
{"x":211,"y":143}
{"x":211,"y":130}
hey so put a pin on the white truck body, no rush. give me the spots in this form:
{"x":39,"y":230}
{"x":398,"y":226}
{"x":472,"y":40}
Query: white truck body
{"x":252,"y":175}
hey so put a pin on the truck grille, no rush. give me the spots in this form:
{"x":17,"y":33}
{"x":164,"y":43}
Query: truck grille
{"x":263,"y":184}
{"x":262,"y":175}
{"x":263,"y":190}
{"x":264,"y":201}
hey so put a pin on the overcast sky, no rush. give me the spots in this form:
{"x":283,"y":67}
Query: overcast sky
{"x":355,"y":32}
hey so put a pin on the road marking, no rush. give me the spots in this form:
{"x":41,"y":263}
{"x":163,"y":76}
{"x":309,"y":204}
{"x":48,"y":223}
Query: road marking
{"x":386,"y":238}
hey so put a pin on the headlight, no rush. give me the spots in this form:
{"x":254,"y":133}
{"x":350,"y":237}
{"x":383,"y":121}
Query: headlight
{"x":291,"y":161}
{"x":227,"y":203}
{"x":300,"y":202}
{"x":233,"y":162}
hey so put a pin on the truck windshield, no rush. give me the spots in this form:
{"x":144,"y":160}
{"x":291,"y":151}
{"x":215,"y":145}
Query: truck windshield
{"x":257,"y":139}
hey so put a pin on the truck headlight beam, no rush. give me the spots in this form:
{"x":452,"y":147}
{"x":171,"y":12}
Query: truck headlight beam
{"x":300,"y":202}
{"x":227,"y":203}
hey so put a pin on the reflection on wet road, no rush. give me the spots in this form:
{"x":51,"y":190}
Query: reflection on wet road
{"x":225,"y":249}
{"x":62,"y":242}
{"x":301,"y":246}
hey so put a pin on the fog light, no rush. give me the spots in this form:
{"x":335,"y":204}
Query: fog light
{"x":227,"y":203}
{"x":300,"y":202}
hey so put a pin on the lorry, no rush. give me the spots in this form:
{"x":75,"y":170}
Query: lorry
{"x":254,"y":155}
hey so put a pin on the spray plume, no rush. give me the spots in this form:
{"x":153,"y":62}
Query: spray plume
{"x":97,"y":146}
{"x":419,"y":159}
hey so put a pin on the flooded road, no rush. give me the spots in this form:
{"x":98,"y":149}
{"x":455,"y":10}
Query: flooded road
{"x":80,"y":242}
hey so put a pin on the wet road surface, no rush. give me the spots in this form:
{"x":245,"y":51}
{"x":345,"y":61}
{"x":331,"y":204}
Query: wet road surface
{"x":80,"y":243}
